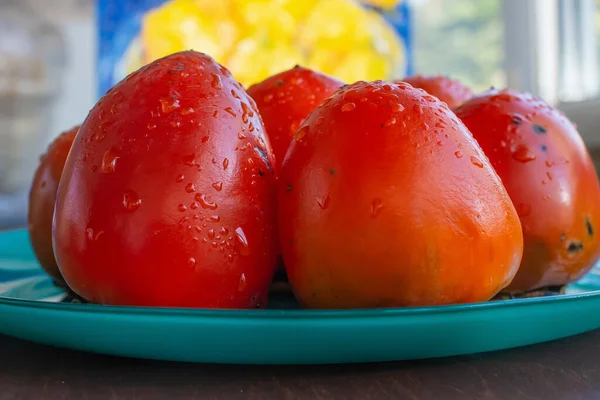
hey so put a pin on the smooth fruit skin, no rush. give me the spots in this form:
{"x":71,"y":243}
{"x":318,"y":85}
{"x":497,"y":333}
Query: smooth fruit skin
{"x":548,"y":172}
{"x":448,"y":90}
{"x":285,"y":100}
{"x":42,"y":197}
{"x":168,"y":196}
{"x":386,"y":200}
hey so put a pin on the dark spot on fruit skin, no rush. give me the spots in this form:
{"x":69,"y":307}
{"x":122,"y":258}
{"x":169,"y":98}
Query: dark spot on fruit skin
{"x":540,"y":130}
{"x":332,"y":171}
{"x":517,"y":119}
{"x":288,"y":188}
{"x":278,"y":82}
{"x":589,"y":227}
{"x":261,"y":173}
{"x":544,"y":147}
{"x":291,"y":241}
{"x":574,"y":246}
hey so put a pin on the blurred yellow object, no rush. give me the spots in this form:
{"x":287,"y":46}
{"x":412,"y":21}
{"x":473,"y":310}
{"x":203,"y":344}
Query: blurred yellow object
{"x":258,"y":38}
{"x":385,"y":4}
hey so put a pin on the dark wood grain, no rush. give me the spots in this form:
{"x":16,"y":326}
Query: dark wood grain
{"x":564,"y":369}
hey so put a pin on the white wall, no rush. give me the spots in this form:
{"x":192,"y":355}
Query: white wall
{"x":76,"y":22}
{"x":78,"y":94}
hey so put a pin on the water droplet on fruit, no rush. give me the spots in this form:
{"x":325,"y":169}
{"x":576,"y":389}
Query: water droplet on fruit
{"x":182,"y":207}
{"x":225,"y":163}
{"x":131,"y":200}
{"x":215,"y":218}
{"x":323,"y":202}
{"x":363,"y":99}
{"x":523,"y":154}
{"x":190,"y":188}
{"x":319,"y":121}
{"x":168,"y":104}
{"x":191,"y":262}
{"x":205,"y":202}
{"x":397,"y":107}
{"x":216,"y":82}
{"x":476,"y":162}
{"x":234,"y":94}
{"x":376,"y":206}
{"x":187,"y":111}
{"x":267,"y":99}
{"x":390,"y":122}
{"x":218,"y":186}
{"x":348,"y":107}
{"x":179,"y":178}
{"x":230,"y":111}
{"x":242,"y":242}
{"x":242,"y":285}
{"x":211,"y":234}
{"x":214,"y":245}
{"x":247,"y":110}
{"x":458,"y":154}
{"x":301,"y":133}
{"x":109,"y":161}
{"x":223,"y":231}
{"x":418,"y":109}
{"x":250,"y":127}
{"x":194,"y":205}
{"x":503,"y":97}
{"x":549,"y":175}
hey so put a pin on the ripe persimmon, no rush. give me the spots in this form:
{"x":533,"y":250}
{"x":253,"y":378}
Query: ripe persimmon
{"x":550,"y":177}
{"x":385,"y":199}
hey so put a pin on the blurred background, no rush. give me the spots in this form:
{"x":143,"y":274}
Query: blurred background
{"x":57,"y":57}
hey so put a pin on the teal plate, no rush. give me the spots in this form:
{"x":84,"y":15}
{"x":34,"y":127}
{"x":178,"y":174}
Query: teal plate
{"x":31,"y":309}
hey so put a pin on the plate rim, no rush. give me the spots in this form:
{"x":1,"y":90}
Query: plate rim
{"x":278,"y":314}
{"x":285,"y":314}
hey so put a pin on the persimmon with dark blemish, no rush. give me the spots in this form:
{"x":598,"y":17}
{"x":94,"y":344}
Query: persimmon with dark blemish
{"x":589,"y":227}
{"x":547,"y":170}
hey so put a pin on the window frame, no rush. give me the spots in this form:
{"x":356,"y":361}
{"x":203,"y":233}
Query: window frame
{"x":550,"y":51}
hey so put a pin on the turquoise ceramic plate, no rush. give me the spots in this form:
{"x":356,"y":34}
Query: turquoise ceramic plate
{"x":31,"y":308}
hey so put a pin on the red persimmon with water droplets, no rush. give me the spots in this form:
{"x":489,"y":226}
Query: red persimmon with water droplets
{"x":285,"y":100}
{"x":448,"y":90}
{"x":378,"y":207}
{"x":548,"y":172}
{"x":42,"y":197}
{"x":169,"y":196}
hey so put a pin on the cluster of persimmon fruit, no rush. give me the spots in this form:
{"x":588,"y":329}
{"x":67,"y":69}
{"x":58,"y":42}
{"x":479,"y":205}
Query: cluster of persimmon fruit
{"x":181,"y":188}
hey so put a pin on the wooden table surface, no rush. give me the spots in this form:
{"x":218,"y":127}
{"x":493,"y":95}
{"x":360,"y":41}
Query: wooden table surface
{"x":564,"y":369}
